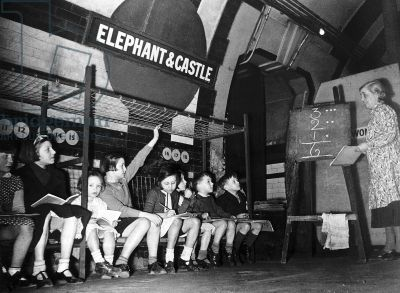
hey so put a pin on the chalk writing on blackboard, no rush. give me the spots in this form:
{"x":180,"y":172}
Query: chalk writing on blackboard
{"x":316,"y":131}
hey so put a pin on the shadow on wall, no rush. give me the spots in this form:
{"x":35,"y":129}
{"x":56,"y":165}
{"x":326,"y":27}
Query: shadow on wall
{"x":389,"y":96}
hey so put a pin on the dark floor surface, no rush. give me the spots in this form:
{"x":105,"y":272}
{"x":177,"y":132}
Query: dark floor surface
{"x":300,"y":274}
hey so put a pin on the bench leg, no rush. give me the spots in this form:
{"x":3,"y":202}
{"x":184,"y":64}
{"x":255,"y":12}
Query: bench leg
{"x":285,"y":247}
{"x":82,"y":259}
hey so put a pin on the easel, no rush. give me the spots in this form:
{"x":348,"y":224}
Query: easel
{"x":292,"y":192}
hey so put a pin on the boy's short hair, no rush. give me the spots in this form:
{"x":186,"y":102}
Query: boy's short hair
{"x":200,"y":176}
{"x":228,"y":175}
{"x":109,"y":162}
{"x":94,"y":173}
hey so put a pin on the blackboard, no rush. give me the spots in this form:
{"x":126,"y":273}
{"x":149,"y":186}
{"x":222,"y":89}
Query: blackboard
{"x":318,"y":132}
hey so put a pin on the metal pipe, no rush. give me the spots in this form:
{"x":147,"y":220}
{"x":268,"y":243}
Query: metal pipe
{"x":44,"y":106}
{"x":257,"y":30}
{"x":89,"y":80}
{"x":297,"y":51}
{"x":247,"y":163}
{"x":204,"y":154}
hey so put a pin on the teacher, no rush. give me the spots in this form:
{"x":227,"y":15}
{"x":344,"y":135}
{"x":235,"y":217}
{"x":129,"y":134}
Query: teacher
{"x":382,"y":148}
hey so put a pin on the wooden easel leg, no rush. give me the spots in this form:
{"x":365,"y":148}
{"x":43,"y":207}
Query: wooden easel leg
{"x":285,"y":246}
{"x":349,"y":178}
{"x":292,"y":192}
{"x":360,"y":243}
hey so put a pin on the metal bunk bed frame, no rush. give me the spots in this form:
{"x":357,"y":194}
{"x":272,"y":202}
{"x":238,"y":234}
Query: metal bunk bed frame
{"x":49,"y":91}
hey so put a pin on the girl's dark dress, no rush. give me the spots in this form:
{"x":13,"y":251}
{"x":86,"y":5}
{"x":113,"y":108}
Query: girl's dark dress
{"x":37,"y":183}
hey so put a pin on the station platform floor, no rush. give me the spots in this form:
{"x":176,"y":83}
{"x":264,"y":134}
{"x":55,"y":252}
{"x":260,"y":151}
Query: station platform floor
{"x":300,"y":274}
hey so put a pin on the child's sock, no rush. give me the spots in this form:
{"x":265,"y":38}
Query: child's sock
{"x":202,"y":254}
{"x":121,"y":260}
{"x":38,"y":266}
{"x":169,"y":255}
{"x":193,"y":255}
{"x":228,"y":248}
{"x":186,"y":253}
{"x":215,"y":248}
{"x":250,"y":239}
{"x":152,"y":259}
{"x":12,"y":271}
{"x":63,"y":267}
{"x":109,"y":258}
{"x":239,"y":237}
{"x":97,"y":257}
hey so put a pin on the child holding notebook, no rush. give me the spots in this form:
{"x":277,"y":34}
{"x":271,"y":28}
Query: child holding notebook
{"x":96,"y":230}
{"x":163,"y":201}
{"x":203,"y":203}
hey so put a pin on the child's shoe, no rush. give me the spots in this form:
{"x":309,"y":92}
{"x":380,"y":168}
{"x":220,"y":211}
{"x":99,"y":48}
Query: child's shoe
{"x":238,"y":258}
{"x":187,"y":266}
{"x":229,"y":259}
{"x":62,"y":278}
{"x":42,"y":280}
{"x":250,"y":257}
{"x":122,"y":270}
{"x":214,"y":259}
{"x":156,"y":269}
{"x":203,"y":264}
{"x":105,"y":270}
{"x":169,"y":268}
{"x":20,"y":280}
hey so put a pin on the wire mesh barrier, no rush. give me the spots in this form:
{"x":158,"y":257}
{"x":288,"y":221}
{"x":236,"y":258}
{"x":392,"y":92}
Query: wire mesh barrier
{"x":140,"y":186}
{"x":36,"y":88}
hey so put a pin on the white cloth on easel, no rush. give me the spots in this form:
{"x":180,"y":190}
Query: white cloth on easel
{"x":337,"y":228}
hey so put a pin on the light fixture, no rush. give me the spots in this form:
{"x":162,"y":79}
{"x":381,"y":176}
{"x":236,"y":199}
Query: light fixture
{"x":321,"y":31}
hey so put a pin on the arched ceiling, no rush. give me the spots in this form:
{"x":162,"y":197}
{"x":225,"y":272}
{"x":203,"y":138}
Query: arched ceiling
{"x":353,"y":31}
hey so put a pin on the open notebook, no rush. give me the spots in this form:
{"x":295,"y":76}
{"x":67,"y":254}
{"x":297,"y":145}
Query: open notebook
{"x":348,"y":155}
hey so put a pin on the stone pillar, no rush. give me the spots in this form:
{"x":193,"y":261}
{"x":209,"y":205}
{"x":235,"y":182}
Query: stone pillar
{"x":392,"y":30}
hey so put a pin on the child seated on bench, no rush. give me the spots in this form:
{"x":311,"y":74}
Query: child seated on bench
{"x":96,"y":230}
{"x":206,"y":229}
{"x":163,"y":200}
{"x":134,"y":224}
{"x":17,"y":228}
{"x":203,"y":203}
{"x":41,"y":177}
{"x":233,"y":201}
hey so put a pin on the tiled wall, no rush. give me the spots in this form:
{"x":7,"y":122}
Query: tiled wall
{"x":276,"y":185}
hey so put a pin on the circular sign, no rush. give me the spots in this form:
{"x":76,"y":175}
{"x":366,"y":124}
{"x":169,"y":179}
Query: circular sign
{"x":176,"y":155}
{"x":59,"y":135}
{"x":21,"y":130}
{"x":150,"y":77}
{"x":72,"y":137}
{"x":48,"y":130}
{"x":6,"y":127}
{"x":185,"y":157}
{"x":166,"y":153}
